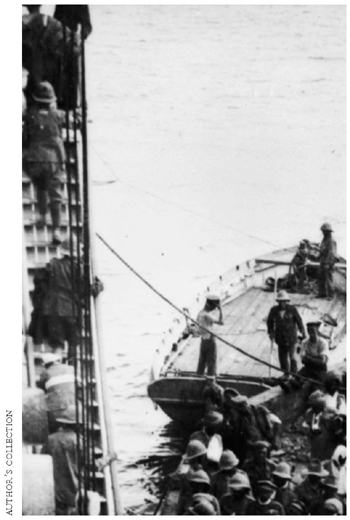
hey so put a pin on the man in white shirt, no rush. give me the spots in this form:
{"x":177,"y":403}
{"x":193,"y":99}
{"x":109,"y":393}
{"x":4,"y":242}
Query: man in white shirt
{"x":314,"y":354}
{"x":208,"y":349}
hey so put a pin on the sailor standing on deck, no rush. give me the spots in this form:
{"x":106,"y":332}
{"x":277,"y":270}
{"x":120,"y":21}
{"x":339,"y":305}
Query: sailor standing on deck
{"x":208,"y":349}
{"x":327,"y":259}
{"x":283,"y":323}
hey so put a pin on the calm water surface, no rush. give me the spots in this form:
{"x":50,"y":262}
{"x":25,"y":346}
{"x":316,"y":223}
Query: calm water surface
{"x":217,"y":134}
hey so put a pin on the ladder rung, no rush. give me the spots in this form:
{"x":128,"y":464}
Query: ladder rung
{"x":64,"y":202}
{"x":64,"y":223}
{"x":64,"y":179}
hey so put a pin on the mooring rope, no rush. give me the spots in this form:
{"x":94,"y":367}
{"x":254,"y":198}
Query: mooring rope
{"x":188,"y":317}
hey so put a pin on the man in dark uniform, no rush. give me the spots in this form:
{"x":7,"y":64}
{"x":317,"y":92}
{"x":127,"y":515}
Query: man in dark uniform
{"x":265,"y":503}
{"x":283,"y":323}
{"x":44,"y":155}
{"x":46,"y":46}
{"x":61,"y":305}
{"x":328,"y":257}
{"x":310,"y":490}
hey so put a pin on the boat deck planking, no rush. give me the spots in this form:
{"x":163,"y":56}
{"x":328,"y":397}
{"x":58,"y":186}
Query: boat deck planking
{"x":245,"y":327}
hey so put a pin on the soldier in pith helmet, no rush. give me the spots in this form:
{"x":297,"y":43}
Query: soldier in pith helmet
{"x":328,"y":257}
{"x":283,"y":324}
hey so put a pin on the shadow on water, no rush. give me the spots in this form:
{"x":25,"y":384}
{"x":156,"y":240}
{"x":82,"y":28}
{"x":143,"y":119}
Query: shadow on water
{"x":172,"y":440}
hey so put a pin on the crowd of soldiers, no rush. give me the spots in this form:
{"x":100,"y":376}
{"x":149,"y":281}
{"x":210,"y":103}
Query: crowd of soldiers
{"x":234,"y":464}
{"x":247,"y":479}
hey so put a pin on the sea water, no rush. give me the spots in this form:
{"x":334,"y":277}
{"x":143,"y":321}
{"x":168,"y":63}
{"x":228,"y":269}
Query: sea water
{"x":217,"y":134}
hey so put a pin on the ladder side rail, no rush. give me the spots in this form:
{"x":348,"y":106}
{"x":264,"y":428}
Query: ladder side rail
{"x":26,"y":308}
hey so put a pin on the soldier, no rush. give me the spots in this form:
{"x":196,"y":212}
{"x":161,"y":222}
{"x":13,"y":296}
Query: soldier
{"x":328,"y":257}
{"x":44,"y":155}
{"x":62,"y":445}
{"x":227,"y":469}
{"x":60,"y":304}
{"x":282,"y":477}
{"x":193,"y":460}
{"x":260,"y":467}
{"x":310,"y":490}
{"x":299,"y":265}
{"x":57,"y":379}
{"x":265,"y":503}
{"x":238,"y":497}
{"x":195,"y":455}
{"x":283,"y":323}
{"x":211,"y":439}
{"x":314,"y":353}
{"x":320,"y":423}
{"x":46,"y":47}
{"x":199,"y":483}
{"x":329,"y":490}
{"x":208,"y":349}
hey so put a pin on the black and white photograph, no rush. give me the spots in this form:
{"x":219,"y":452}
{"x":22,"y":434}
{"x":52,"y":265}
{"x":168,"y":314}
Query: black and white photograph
{"x":183,"y":241}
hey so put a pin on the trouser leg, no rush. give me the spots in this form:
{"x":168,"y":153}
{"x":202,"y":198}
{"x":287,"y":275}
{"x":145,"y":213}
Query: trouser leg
{"x":301,"y":279}
{"x":293,"y":358}
{"x":212,"y":359}
{"x":72,"y":335}
{"x":55,"y":214}
{"x":42,"y":198}
{"x":283,"y":356}
{"x":322,"y":282}
{"x":54,"y":190}
{"x":202,"y":362}
{"x":329,"y":283}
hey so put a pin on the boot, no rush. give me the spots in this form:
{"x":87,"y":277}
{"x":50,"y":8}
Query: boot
{"x":41,"y":222}
{"x":42,"y":206}
{"x":56,"y":236}
{"x":56,"y":221}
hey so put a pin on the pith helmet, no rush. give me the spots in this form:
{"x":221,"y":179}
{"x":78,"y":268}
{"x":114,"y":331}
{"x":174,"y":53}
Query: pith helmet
{"x":213,"y":419}
{"x":239,"y":481}
{"x":282,"y":296}
{"x":213,"y":298}
{"x":49,"y":357}
{"x":228,"y":460}
{"x":330,"y":482}
{"x":44,"y":92}
{"x":333,"y":375}
{"x":326,"y":227}
{"x":298,"y":507}
{"x":239,"y":399}
{"x":283,"y":471}
{"x":313,"y":324}
{"x":68,"y":416}
{"x":202,"y":507}
{"x":334,"y":504}
{"x":317,"y":400}
{"x":195,"y":449}
{"x":198,"y":476}
{"x":266,"y":484}
{"x":261,"y":444}
{"x":316,"y":468}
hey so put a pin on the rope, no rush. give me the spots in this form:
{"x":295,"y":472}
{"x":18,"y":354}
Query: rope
{"x":169,"y":302}
{"x":178,"y":206}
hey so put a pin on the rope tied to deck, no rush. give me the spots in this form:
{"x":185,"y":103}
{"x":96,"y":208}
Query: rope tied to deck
{"x":188,"y":317}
